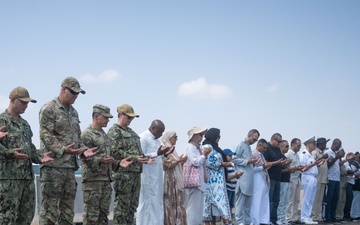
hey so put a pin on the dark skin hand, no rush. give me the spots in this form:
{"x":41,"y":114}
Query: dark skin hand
{"x":165,"y":150}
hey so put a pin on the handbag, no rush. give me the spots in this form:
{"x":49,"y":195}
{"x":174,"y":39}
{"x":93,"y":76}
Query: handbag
{"x":191,"y":175}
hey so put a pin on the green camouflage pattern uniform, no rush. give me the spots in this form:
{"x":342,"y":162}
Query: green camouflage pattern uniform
{"x":17,"y":188}
{"x":125,"y":143}
{"x":96,"y":178}
{"x":59,"y":127}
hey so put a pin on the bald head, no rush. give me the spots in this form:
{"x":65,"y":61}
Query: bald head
{"x":157,"y":127}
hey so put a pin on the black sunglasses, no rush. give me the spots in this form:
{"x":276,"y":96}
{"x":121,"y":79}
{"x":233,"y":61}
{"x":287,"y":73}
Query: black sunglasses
{"x":72,"y":92}
{"x":129,"y":117}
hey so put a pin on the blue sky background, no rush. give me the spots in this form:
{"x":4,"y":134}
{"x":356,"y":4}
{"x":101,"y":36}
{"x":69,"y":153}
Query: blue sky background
{"x":279,"y":66}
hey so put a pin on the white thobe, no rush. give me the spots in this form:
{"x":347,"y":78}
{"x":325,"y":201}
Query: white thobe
{"x":151,"y":209}
{"x":260,"y":206}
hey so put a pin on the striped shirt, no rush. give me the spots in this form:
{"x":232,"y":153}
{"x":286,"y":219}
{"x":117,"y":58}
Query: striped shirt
{"x":231,"y":185}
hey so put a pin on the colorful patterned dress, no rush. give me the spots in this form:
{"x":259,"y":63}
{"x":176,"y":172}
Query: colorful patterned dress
{"x":216,"y":200}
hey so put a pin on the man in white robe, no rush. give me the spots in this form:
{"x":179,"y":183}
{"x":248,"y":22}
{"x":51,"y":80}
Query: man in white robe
{"x":151,"y":210}
{"x":355,"y":206}
{"x":260,"y":206}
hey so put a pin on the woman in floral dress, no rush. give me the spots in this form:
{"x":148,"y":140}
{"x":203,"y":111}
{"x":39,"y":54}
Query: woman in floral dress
{"x":216,"y":200}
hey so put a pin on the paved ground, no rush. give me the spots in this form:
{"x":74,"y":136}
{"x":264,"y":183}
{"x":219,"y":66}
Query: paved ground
{"x":78,"y":219}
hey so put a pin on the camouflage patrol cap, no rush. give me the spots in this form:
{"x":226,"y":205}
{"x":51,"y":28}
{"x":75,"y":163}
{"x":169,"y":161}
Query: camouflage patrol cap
{"x":22,"y":94}
{"x":103,"y":110}
{"x":127,"y":109}
{"x":73,"y":84}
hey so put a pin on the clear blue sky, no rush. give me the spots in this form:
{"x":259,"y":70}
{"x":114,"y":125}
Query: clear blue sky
{"x":291,"y":67}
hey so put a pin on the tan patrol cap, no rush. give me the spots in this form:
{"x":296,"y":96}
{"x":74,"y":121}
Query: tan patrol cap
{"x":103,"y":110}
{"x":22,"y":94}
{"x":73,"y":84}
{"x":127,"y":109}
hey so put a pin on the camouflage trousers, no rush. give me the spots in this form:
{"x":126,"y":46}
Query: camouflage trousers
{"x":127,"y":190}
{"x":17,"y":202}
{"x":97,"y":199}
{"x":58,"y":188}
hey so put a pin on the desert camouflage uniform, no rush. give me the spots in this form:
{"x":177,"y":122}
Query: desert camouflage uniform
{"x":17,"y":188}
{"x":59,"y":127}
{"x":125,"y":143}
{"x":96,"y":178}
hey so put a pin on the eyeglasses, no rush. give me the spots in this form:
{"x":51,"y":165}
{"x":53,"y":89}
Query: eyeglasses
{"x":286,"y":146}
{"x":72,"y":92}
{"x":129,"y":117}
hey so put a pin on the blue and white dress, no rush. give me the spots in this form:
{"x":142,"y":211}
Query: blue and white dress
{"x":216,"y":199}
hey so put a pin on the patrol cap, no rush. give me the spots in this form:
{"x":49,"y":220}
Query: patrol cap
{"x":228,"y":152}
{"x":22,"y":94}
{"x":73,"y":84}
{"x":322,"y":140}
{"x":103,"y":110}
{"x":127,"y":109}
{"x":309,"y":140}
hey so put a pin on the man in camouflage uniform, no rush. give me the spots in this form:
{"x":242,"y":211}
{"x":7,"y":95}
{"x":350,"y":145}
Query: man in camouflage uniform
{"x":17,"y":152}
{"x":60,"y":135}
{"x":126,"y":143}
{"x":96,"y":171}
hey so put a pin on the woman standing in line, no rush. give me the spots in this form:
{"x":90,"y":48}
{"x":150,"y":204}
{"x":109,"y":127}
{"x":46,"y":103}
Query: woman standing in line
{"x":216,"y":200}
{"x":174,"y":211}
{"x":196,"y":157}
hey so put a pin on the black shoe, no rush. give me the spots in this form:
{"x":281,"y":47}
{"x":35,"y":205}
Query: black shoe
{"x":348,"y":219}
{"x":298,"y":222}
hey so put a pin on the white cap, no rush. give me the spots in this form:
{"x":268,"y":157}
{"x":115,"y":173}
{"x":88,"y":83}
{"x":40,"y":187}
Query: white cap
{"x":310,"y":139}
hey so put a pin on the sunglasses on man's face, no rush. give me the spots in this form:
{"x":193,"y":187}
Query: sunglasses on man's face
{"x":129,"y":117}
{"x":72,"y":92}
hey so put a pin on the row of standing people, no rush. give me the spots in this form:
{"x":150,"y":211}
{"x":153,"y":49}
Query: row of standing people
{"x":268,"y":192}
{"x":135,"y":163}
{"x":117,"y":156}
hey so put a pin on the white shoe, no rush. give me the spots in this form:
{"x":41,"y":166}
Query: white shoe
{"x":310,"y":222}
{"x":279,"y":223}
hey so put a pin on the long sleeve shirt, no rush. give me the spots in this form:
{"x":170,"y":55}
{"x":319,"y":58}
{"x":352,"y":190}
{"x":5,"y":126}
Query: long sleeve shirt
{"x":60,"y":127}
{"x":19,"y":136}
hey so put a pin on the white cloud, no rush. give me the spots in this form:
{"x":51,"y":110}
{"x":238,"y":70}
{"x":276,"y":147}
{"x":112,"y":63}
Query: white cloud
{"x":106,"y":76}
{"x":273,"y":88}
{"x":201,"y":89}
